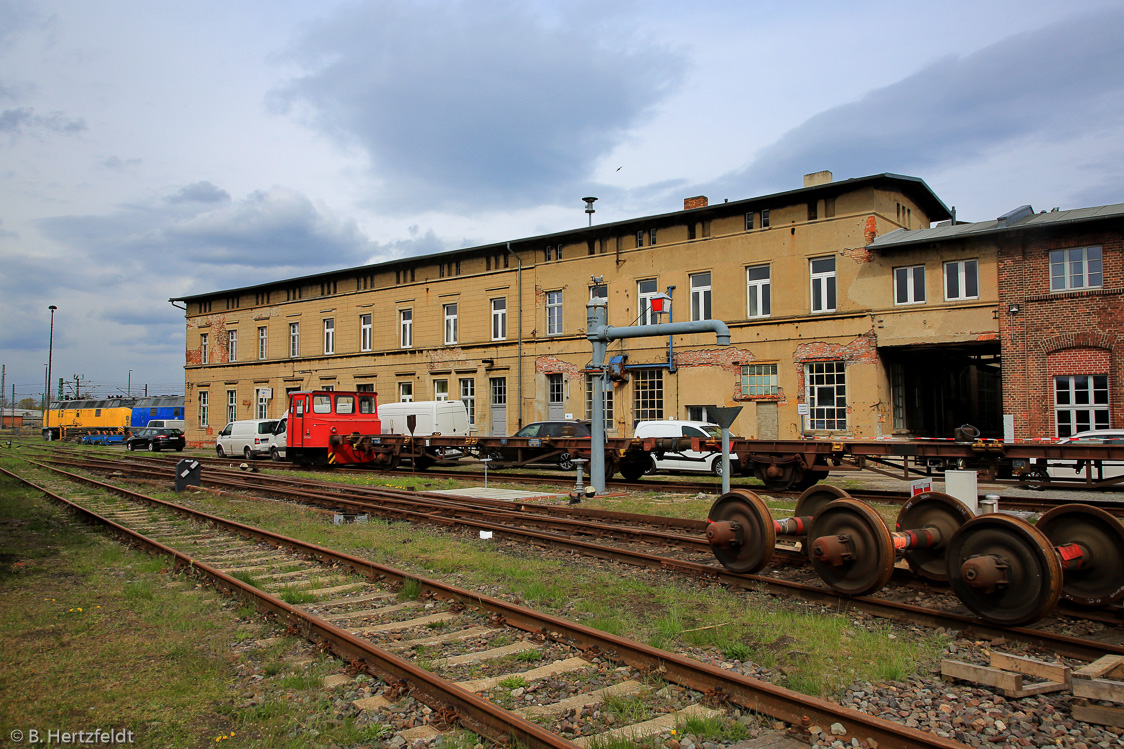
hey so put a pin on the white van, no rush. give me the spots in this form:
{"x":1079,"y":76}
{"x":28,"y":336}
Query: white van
{"x":250,"y":438}
{"x":687,"y":460}
{"x":447,"y":418}
{"x":179,"y":424}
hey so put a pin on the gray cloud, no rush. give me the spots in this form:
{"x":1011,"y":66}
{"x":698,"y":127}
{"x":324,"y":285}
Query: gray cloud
{"x":490,"y":103}
{"x":200,"y":192}
{"x":1048,"y":84}
{"x":24,"y":120}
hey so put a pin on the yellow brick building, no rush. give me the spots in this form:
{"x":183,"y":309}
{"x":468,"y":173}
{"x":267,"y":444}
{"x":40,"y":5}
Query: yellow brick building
{"x":829,"y":338}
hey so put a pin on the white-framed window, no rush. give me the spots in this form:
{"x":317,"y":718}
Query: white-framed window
{"x":440,"y":390}
{"x":645,"y":290}
{"x":760,"y":380}
{"x":406,"y":328}
{"x":640,"y":238}
{"x":405,"y":392}
{"x":231,"y":406}
{"x":294,"y":339}
{"x":825,"y":392}
{"x":204,"y":398}
{"x":554,"y":313}
{"x":599,"y":291}
{"x":204,"y":347}
{"x":468,"y":397}
{"x":961,"y":280}
{"x":822,"y":272}
{"x":1076,"y":268}
{"x":651,"y":236}
{"x":262,"y":341}
{"x":700,"y":296}
{"x":499,"y":319}
{"x":1081,"y":403}
{"x":765,"y":219}
{"x":262,"y":403}
{"x":364,"y":332}
{"x":606,"y":404}
{"x":232,"y":345}
{"x":329,"y":335}
{"x":758,"y":291}
{"x":450,"y":324}
{"x":647,"y":394}
{"x":909,"y":284}
{"x":749,"y":221}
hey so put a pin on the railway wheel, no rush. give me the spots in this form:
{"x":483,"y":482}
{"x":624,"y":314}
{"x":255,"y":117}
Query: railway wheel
{"x":741,"y":532}
{"x":1004,"y":569}
{"x":815,"y":498}
{"x":1099,"y":580}
{"x":633,"y":470}
{"x":937,"y":511}
{"x":851,"y":548}
{"x":776,"y":478}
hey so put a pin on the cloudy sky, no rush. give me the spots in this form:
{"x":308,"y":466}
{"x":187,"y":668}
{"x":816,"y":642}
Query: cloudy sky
{"x":151,"y":150}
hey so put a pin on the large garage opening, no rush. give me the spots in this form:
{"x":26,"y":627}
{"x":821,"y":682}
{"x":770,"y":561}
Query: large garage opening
{"x":935,"y":389}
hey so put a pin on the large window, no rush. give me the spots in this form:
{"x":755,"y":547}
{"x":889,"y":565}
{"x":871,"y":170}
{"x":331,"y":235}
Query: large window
{"x":825,"y":392}
{"x":1081,"y":403}
{"x":204,"y":348}
{"x":961,"y":280}
{"x":203,"y":407}
{"x":499,"y":319}
{"x":645,"y":290}
{"x":760,"y":380}
{"x":364,"y":332}
{"x":909,"y":285}
{"x":294,"y":339}
{"x":823,"y":284}
{"x":231,"y":405}
{"x":232,"y":345}
{"x":758,"y":293}
{"x":450,"y":324}
{"x":647,"y":401}
{"x":406,"y":328}
{"x":1077,"y":268}
{"x":468,"y":397}
{"x":329,"y":336}
{"x":554,"y":313}
{"x":262,"y":340}
{"x":700,"y":296}
{"x":606,"y":404}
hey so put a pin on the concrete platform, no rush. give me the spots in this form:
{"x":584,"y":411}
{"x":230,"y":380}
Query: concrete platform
{"x":490,"y":493}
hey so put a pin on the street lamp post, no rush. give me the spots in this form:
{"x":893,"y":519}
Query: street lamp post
{"x":50,"y":353}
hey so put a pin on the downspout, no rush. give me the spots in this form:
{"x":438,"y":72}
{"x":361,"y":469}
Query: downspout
{"x":670,"y":338}
{"x":519,"y":333}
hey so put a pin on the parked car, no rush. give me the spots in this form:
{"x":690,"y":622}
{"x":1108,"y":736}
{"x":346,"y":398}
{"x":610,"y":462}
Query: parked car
{"x":1075,"y":469}
{"x":540,"y":430}
{"x":685,"y":460}
{"x":156,"y":439}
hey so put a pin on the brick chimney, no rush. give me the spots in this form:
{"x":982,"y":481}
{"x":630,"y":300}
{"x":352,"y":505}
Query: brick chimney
{"x":699,"y":201}
{"x":817,"y":178}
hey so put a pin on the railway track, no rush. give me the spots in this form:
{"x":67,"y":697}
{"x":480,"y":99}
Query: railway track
{"x":631,"y":539}
{"x":357,"y":608}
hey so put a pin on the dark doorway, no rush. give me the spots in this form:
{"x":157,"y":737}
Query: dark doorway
{"x":935,"y":389}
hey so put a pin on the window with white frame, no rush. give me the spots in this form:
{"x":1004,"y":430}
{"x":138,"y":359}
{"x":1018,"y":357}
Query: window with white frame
{"x":961,"y":280}
{"x":1081,"y":403}
{"x":294,"y":339}
{"x":749,"y":221}
{"x":406,"y":328}
{"x":263,"y":403}
{"x":204,"y":399}
{"x":822,"y":270}
{"x":468,"y":397}
{"x":554,"y":313}
{"x":450,"y":324}
{"x":405,"y":392}
{"x":329,"y":336}
{"x":1076,"y":268}
{"x":364,"y":332}
{"x":262,"y":341}
{"x":700,"y":296}
{"x":645,"y":290}
{"x":232,"y":345}
{"x":606,"y":404}
{"x":440,"y":390}
{"x":760,"y":380}
{"x":758,"y":291}
{"x":599,"y":291}
{"x":652,"y":236}
{"x":499,"y":319}
{"x":825,"y":392}
{"x":647,"y":394}
{"x":909,"y":284}
{"x":231,"y":406}
{"x":204,"y":348}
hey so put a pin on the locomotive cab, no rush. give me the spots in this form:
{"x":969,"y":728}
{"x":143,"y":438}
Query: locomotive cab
{"x":319,"y":419}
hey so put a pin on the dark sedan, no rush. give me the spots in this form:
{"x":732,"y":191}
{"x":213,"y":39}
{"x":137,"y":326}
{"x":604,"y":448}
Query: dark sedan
{"x":539,"y":442}
{"x":156,"y":439}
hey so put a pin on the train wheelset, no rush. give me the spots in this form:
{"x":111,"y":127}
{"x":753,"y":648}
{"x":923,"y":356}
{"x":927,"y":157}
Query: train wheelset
{"x":1004,"y":569}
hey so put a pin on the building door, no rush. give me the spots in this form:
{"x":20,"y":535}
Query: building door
{"x":498,"y":387}
{"x":768,"y":424}
{"x":556,"y":397}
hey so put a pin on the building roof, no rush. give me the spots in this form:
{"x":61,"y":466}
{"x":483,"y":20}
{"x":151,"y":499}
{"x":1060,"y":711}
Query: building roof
{"x":915,"y":187}
{"x":1022,"y":218}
